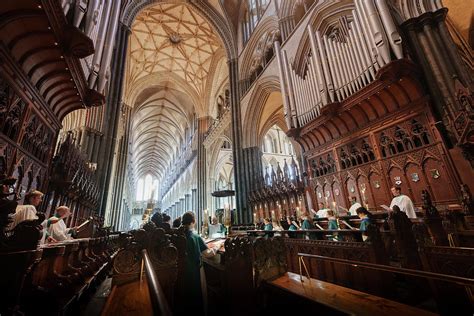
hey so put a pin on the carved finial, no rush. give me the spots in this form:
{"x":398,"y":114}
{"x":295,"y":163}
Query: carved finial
{"x":428,"y":206}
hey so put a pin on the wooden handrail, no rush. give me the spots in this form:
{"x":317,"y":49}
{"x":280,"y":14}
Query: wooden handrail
{"x":379,"y":267}
{"x":158,"y":299}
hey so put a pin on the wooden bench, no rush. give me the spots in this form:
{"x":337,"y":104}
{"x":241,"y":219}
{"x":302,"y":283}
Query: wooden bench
{"x":335,"y":299}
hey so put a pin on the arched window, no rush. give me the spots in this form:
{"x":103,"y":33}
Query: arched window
{"x":140,"y":185}
{"x":253,"y":13}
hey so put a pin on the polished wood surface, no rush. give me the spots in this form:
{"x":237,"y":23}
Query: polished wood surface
{"x":344,"y":299}
{"x":129,"y":299}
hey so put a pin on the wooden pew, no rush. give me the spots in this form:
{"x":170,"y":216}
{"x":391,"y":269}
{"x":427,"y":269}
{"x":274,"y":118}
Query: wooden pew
{"x":65,"y":272}
{"x":330,"y":299}
{"x":14,"y":271}
{"x":455,"y":261}
{"x":128,"y":271}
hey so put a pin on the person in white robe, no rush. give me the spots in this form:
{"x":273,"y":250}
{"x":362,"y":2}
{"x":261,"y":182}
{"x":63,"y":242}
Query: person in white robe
{"x":322,"y":212}
{"x":354,"y":206}
{"x":27,"y":211}
{"x":403,"y":202}
{"x":216,"y":229}
{"x":57,"y":229}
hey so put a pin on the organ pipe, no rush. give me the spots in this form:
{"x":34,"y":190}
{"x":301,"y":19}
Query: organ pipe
{"x":283,"y":84}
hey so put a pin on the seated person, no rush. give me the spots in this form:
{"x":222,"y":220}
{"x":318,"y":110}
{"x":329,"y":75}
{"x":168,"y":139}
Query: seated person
{"x":332,"y":221}
{"x":27,"y":211}
{"x":291,"y":224}
{"x":322,"y":212}
{"x":354,"y":206}
{"x":307,"y":223}
{"x":268,"y":224}
{"x":366,"y":218}
{"x":56,"y":229}
{"x":177,"y":222}
{"x":216,"y":229}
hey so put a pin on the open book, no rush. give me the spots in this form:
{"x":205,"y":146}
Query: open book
{"x":385,"y":207}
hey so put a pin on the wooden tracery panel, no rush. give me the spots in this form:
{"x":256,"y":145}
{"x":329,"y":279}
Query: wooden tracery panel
{"x":437,"y":177}
{"x":414,"y":174}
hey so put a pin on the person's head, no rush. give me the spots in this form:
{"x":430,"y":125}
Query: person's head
{"x":396,"y":190}
{"x":396,"y":208}
{"x":321,"y":205}
{"x":353,"y":200}
{"x":34,"y":198}
{"x":177,"y":222}
{"x":266,"y":221}
{"x":330,"y":213}
{"x":214,"y":220}
{"x":363,"y":213}
{"x":157,"y":219}
{"x":7,"y":184}
{"x":188,"y":220}
{"x":166,"y":218}
{"x":63,"y":211}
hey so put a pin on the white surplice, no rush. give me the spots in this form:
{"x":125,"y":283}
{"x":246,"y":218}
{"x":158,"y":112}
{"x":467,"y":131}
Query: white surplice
{"x":405,"y":204}
{"x":23,"y":213}
{"x":354,"y":207}
{"x":59,"y":231}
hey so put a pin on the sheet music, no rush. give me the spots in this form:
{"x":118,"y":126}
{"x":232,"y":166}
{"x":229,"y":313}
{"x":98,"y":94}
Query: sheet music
{"x":82,"y":225}
{"x":385,"y":207}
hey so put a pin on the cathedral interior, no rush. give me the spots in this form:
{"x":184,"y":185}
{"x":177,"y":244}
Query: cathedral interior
{"x":248,"y":157}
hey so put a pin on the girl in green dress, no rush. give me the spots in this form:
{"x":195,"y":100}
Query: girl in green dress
{"x":191,"y":291}
{"x":366,"y":218}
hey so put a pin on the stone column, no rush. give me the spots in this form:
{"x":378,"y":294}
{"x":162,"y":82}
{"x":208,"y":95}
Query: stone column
{"x":193,"y":200}
{"x":187,"y":198}
{"x":243,"y":214}
{"x":203,"y":126}
{"x":112,"y":113}
{"x":434,"y":50}
{"x":253,"y":170}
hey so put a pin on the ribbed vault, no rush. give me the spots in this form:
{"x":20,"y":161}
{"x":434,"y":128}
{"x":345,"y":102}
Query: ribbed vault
{"x":171,"y":66}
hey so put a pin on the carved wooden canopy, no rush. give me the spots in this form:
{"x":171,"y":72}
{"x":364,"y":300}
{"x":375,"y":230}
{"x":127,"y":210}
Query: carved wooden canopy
{"x":35,"y":36}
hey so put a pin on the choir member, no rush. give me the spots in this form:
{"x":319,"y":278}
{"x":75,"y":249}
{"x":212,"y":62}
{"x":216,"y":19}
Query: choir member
{"x":366,"y":218}
{"x":195,"y":250}
{"x":268,"y":224}
{"x":216,"y":229}
{"x":332,"y":221}
{"x":291,"y":225}
{"x":354,"y":206}
{"x":177,"y":222}
{"x":56,"y":227}
{"x":403,"y":202}
{"x":27,"y":211}
{"x":323,"y":211}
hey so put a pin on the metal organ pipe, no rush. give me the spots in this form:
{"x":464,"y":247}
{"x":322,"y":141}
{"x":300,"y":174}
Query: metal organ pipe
{"x":290,"y":89}
{"x":321,"y":80}
{"x":339,"y":68}
{"x":334,"y":69}
{"x":352,"y":53}
{"x":365,"y":45}
{"x":368,"y":32}
{"x":393,"y":36}
{"x":327,"y":76}
{"x":375,"y":24}
{"x":100,"y":45}
{"x":365,"y":58}
{"x":361,"y":68}
{"x":106,"y":59}
{"x":364,"y":63}
{"x":79,"y":12}
{"x":283,"y":84}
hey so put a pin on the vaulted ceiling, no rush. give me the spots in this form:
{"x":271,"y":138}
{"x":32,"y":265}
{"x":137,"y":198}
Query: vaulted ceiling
{"x":171,"y":68}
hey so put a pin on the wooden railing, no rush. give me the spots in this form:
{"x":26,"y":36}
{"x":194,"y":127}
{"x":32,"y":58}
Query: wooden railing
{"x":373,"y":266}
{"x":159,"y":303}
